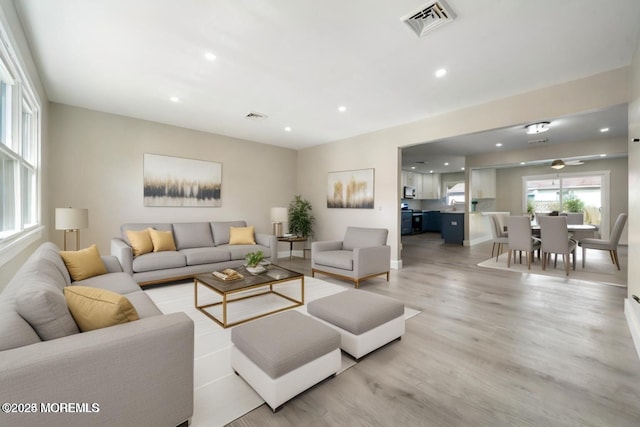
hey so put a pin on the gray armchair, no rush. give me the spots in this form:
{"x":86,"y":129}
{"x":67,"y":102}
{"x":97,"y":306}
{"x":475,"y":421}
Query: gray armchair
{"x":362,"y":254}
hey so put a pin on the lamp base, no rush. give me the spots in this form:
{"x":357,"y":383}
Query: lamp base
{"x":277,"y":229}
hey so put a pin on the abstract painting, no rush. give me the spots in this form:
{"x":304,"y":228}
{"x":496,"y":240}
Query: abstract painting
{"x":175,"y":181}
{"x":351,"y":189}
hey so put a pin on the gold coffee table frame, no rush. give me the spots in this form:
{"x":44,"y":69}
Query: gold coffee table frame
{"x":270,"y":278}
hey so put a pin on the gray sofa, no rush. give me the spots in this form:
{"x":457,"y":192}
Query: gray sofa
{"x":138,"y":373}
{"x":202,"y":247}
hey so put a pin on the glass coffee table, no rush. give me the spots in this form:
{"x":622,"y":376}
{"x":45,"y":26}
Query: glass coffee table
{"x":263,"y":284}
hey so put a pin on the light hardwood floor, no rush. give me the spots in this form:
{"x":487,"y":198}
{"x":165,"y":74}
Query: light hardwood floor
{"x":490,"y":348}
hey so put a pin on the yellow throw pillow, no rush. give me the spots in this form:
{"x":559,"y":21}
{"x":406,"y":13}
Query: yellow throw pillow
{"x":140,"y":241}
{"x":241,"y":236}
{"x":84,"y":263}
{"x":94,"y":308}
{"x":162,"y":240}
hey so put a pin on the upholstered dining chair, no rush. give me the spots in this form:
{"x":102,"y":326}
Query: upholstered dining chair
{"x":520,"y":239}
{"x":610,"y":245}
{"x":555,"y":240}
{"x":499,"y":237}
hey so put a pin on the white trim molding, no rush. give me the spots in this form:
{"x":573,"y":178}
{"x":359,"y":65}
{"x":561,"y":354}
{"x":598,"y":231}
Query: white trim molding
{"x":12,"y":248}
{"x":632,"y":313}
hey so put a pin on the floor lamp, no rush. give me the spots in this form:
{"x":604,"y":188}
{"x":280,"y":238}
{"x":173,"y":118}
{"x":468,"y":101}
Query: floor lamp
{"x":278,"y":216}
{"x":72,"y":220}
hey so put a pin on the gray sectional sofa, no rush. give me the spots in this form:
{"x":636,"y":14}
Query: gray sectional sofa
{"x":137,"y":373}
{"x":201,"y":247}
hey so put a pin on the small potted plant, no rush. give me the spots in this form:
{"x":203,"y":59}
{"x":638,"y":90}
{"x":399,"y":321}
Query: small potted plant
{"x":254,"y":260}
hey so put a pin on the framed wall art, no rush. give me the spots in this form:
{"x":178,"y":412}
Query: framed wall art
{"x":351,"y":189}
{"x":175,"y":181}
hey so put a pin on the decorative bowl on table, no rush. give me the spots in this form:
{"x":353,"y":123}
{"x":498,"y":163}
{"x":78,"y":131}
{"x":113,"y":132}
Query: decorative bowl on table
{"x":257,"y":269}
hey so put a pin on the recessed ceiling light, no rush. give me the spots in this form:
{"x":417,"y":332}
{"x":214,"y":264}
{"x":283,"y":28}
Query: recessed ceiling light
{"x":462,"y":168}
{"x":523,"y":163}
{"x":499,"y":144}
{"x":430,"y":171}
{"x":287,"y":129}
{"x":210,"y":56}
{"x":413,"y":167}
{"x":174,"y":99}
{"x":441,"y":72}
{"x":604,"y":130}
{"x":342,"y":108}
{"x":446,"y":163}
{"x":603,"y":155}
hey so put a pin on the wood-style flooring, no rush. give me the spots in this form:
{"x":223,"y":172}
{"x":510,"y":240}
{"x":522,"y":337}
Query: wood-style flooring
{"x":490,"y":348}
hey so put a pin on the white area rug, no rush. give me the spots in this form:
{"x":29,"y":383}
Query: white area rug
{"x":220,"y":396}
{"x":598,"y":268}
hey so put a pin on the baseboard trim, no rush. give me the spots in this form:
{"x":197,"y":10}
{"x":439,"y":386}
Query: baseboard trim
{"x":396,"y":264}
{"x":632,"y":313}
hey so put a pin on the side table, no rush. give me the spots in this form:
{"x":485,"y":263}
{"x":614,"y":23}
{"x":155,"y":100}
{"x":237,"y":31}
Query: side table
{"x":291,"y":241}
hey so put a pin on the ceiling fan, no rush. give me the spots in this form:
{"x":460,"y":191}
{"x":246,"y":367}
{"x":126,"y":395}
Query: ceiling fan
{"x":559,"y":164}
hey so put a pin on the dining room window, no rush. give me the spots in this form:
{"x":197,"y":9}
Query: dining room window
{"x":571,"y":192}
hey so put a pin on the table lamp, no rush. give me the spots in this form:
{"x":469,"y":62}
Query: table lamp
{"x":278,"y":216}
{"x":72,"y":220}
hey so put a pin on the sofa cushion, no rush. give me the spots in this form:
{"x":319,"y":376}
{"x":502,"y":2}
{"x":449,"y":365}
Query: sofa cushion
{"x":336,"y":259}
{"x":140,"y":241}
{"x":240,"y":251}
{"x":196,"y":256}
{"x":14,"y":330}
{"x":221,"y":230}
{"x":120,"y":283}
{"x":159,"y":261}
{"x":162,"y":240}
{"x":192,"y":235}
{"x":42,"y":304}
{"x":241,"y":236}
{"x":84,"y":263}
{"x":143,"y":304}
{"x":94,"y":308}
{"x":162,"y":226}
{"x":360,"y":237}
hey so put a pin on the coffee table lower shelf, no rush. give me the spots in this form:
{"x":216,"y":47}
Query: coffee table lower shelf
{"x":227,"y":299}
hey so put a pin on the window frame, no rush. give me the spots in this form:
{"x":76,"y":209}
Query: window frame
{"x":27,"y":156}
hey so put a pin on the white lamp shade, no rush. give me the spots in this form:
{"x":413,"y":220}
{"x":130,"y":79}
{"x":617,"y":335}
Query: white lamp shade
{"x":279,"y":214}
{"x":71,"y":218}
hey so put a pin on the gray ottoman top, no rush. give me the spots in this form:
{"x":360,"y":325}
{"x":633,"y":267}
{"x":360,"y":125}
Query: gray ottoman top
{"x":355,"y":310}
{"x":283,"y":342}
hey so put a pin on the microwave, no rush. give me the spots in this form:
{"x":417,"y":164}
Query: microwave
{"x":409,"y":193}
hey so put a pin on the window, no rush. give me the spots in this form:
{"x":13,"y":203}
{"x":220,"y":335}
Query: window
{"x":455,"y":193}
{"x":579,"y":192}
{"x":19,"y":150}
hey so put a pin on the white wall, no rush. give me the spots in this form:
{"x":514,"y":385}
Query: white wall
{"x":97,"y":163}
{"x":12,"y":24}
{"x":379,"y":149}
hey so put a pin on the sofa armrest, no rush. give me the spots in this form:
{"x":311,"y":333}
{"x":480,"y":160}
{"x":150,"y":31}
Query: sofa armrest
{"x":327,"y":245}
{"x":270,"y":241}
{"x":112,"y":264}
{"x":138,"y":373}
{"x":371,"y":260}
{"x":121,"y":250}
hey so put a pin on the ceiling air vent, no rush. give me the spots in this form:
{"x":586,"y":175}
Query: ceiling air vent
{"x":538,"y":141}
{"x":255,"y":116}
{"x":429,"y":17}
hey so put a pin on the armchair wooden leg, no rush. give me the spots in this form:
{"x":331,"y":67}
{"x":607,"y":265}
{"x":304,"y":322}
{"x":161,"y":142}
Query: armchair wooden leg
{"x":509,"y":258}
{"x":584,"y":255}
{"x":614,"y":254}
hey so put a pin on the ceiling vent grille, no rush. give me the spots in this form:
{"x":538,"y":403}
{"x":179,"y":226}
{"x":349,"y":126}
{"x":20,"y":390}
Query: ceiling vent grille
{"x":538,"y":141}
{"x":255,"y":116}
{"x":429,"y":17}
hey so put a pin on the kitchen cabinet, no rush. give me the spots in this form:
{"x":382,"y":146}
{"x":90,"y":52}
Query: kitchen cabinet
{"x":405,"y":222}
{"x":483,"y":184}
{"x":453,"y":227}
{"x":432,"y":221}
{"x":430,"y":186}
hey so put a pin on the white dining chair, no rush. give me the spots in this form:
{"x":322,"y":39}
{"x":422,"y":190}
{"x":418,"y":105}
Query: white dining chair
{"x":520,"y":239}
{"x":555,"y":240}
{"x":499,"y":237}
{"x":610,"y":245}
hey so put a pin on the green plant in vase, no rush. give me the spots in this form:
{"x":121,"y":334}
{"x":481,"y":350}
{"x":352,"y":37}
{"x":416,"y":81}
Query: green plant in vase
{"x":300,"y":218}
{"x":572,"y":203}
{"x":253,"y":258}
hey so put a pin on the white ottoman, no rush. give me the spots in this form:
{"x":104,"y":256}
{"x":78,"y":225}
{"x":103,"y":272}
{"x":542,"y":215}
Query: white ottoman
{"x":282,"y":355}
{"x":365,"y":321}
